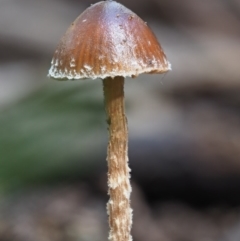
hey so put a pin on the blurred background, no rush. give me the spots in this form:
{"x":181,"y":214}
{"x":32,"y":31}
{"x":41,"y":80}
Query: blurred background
{"x":184,"y":128}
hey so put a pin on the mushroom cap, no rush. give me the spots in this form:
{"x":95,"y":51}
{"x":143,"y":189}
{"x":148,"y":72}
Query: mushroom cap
{"x":107,"y":40}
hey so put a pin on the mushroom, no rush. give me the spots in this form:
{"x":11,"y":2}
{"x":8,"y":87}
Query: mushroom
{"x":110,"y":42}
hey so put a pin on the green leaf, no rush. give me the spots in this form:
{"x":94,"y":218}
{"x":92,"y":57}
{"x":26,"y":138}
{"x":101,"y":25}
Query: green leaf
{"x":56,"y":131}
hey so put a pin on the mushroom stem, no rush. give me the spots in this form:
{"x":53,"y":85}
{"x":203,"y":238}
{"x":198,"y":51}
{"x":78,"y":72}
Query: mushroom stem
{"x":119,"y":188}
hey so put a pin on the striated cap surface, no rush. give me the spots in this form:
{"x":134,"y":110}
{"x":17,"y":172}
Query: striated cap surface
{"x":107,"y":40}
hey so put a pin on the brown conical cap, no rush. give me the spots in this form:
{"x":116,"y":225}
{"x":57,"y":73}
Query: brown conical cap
{"x":107,"y":40}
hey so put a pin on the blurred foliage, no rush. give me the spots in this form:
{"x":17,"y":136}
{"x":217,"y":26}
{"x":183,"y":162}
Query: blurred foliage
{"x":57,"y":131}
